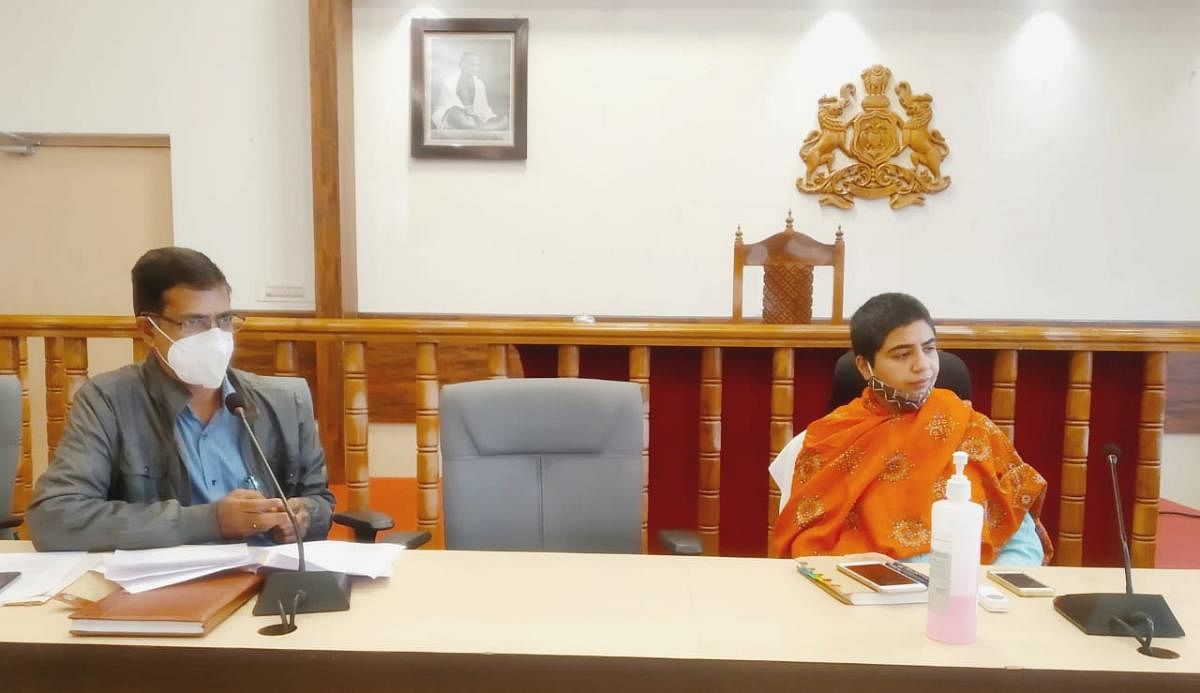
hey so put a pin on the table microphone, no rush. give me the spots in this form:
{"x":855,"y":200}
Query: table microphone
{"x":1123,"y":613}
{"x":288,"y":592}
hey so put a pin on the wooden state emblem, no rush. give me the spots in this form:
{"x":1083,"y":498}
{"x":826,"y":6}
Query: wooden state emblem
{"x":874,"y":138}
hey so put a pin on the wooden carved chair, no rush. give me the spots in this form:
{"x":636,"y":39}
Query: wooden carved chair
{"x":787,"y":259}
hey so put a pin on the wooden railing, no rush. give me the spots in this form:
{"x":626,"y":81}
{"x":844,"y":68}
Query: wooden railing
{"x":997,"y":349}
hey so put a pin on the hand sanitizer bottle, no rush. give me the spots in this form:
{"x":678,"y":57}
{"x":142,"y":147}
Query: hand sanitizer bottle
{"x":954,"y":563}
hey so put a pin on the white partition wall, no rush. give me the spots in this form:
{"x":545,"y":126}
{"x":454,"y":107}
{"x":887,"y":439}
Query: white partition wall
{"x":656,"y":127}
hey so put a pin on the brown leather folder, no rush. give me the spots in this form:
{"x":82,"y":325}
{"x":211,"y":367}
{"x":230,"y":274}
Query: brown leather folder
{"x":186,"y":609}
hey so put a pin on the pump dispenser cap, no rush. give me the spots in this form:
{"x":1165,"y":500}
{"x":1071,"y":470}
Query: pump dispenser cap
{"x":958,"y":488}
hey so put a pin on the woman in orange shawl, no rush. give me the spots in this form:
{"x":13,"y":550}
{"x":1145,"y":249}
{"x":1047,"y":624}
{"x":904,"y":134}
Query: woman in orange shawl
{"x":869,"y":472}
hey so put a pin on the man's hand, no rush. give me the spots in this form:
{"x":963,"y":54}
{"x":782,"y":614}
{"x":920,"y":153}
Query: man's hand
{"x":283,"y":533}
{"x":244,"y":513}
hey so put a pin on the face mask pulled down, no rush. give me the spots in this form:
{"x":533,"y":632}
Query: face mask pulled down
{"x":895,"y":400}
{"x":200,"y":359}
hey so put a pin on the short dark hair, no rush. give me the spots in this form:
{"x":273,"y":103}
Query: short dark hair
{"x":874,"y":321}
{"x":162,"y":269}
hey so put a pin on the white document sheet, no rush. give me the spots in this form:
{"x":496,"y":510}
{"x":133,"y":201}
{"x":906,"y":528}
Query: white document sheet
{"x":153,"y":582}
{"x":370,"y":560}
{"x":129,"y":565}
{"x":43,"y":575}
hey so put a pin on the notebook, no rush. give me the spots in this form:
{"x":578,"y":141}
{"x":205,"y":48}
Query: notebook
{"x":186,"y":609}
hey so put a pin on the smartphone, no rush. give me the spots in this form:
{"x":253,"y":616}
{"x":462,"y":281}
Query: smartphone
{"x":879,"y":577}
{"x":1020,"y":584}
{"x":7,"y":578}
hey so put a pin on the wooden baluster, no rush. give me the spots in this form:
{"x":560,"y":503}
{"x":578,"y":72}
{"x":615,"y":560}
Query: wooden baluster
{"x":639,"y":372}
{"x":140,"y":350}
{"x":285,"y":359}
{"x":429,"y":516}
{"x":56,"y":395}
{"x":15,"y":361}
{"x":23,"y":492}
{"x":568,"y":361}
{"x":1004,"y":392}
{"x":75,"y":363}
{"x":1069,"y":547}
{"x":1146,"y":485}
{"x":782,"y":401}
{"x":9,"y":355}
{"x":354,"y":446}
{"x":709,"y":505}
{"x":497,"y":361}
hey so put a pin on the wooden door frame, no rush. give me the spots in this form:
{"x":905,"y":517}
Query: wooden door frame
{"x":334,"y":244}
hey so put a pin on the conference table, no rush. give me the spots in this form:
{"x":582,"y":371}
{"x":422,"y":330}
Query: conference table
{"x":496,"y":621}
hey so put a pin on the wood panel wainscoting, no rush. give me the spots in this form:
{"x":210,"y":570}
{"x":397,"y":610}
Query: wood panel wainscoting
{"x":721,"y":398}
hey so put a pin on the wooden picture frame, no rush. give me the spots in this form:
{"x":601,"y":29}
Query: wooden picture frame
{"x":469,"y":88}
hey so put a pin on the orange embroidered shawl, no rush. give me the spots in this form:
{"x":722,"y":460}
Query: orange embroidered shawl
{"x":866,"y":480}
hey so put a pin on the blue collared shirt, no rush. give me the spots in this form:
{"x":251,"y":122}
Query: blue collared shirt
{"x":212,"y":452}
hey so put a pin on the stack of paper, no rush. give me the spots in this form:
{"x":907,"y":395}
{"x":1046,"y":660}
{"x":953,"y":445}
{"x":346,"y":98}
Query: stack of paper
{"x":148,"y":569}
{"x":43,"y":575}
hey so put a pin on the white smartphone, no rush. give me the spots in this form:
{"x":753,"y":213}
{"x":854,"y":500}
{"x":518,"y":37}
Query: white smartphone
{"x":1020,"y":584}
{"x":879,"y":577}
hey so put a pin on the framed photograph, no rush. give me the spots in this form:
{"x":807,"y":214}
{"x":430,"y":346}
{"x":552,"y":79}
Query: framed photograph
{"x":469,"y":79}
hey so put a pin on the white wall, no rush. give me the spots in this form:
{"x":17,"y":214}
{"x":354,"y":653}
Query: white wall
{"x":655,"y":127}
{"x":226,"y":79}
{"x":1181,"y":469}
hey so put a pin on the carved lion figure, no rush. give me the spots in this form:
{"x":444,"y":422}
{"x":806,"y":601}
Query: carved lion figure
{"x":928,"y":146}
{"x":819,"y":146}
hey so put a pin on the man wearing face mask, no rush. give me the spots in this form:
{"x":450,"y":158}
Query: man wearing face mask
{"x":151,"y":457}
{"x":869,"y":472}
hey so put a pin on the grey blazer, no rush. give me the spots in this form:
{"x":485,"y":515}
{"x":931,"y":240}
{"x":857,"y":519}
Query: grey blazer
{"x":118,"y":479}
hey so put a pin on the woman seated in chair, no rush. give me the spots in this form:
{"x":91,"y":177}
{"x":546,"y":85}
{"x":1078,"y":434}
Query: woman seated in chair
{"x":869,"y":472}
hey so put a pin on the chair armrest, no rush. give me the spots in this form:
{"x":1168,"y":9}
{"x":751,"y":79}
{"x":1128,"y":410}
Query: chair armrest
{"x":410,"y":540}
{"x":365,"y":523}
{"x":681,"y":542}
{"x":10,"y":522}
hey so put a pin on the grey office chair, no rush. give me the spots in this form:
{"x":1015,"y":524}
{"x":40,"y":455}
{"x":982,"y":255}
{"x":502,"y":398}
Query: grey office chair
{"x":550,"y":464}
{"x":10,"y":450}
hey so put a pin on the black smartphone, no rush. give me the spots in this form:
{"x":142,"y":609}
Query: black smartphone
{"x":6,"y":578}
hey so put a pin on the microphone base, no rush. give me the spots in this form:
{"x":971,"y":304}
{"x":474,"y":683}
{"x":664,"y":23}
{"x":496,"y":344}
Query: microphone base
{"x":1094,"y":614}
{"x":323,"y":591}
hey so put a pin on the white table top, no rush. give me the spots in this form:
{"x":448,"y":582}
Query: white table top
{"x":668,"y":607}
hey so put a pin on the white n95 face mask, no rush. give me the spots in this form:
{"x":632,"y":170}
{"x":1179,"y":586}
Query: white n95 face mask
{"x":201,"y":359}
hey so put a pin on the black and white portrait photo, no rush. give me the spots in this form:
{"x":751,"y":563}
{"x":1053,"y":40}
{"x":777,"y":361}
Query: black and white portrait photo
{"x":469,"y":78}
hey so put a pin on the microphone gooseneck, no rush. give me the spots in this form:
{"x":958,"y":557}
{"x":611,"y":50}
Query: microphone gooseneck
{"x":1143,"y":616}
{"x":236,"y":404}
{"x":1113,"y":454}
{"x":286,"y":592}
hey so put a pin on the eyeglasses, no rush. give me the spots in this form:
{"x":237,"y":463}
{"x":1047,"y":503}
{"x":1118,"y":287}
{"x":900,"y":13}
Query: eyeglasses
{"x":195,"y":324}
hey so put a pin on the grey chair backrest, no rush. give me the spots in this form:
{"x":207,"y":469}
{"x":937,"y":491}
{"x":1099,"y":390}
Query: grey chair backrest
{"x":551,"y":464}
{"x":10,"y":443}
